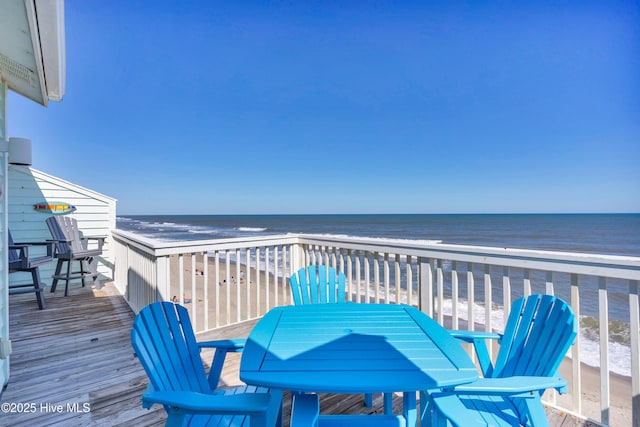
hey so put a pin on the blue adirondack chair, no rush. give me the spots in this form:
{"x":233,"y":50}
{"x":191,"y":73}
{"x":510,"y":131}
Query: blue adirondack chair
{"x":165,"y":344}
{"x":317,"y":285}
{"x":539,"y":331}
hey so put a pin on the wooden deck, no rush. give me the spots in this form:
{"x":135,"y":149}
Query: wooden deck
{"x":72,"y":364}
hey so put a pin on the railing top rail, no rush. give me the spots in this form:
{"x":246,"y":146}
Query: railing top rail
{"x":616,"y":266}
{"x":163,"y":248}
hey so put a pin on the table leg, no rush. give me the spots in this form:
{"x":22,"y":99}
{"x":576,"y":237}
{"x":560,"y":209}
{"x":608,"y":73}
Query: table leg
{"x":409,"y":408}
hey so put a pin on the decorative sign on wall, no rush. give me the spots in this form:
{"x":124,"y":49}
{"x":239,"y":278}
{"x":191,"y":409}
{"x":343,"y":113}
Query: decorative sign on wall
{"x":55,"y":208}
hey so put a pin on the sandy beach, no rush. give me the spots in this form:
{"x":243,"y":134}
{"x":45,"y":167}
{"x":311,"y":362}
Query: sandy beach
{"x":243,"y":296}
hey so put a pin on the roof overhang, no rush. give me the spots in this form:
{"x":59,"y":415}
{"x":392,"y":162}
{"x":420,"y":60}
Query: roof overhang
{"x":32,"y":48}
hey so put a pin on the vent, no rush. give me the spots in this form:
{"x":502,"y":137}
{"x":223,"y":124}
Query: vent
{"x":10,"y":68}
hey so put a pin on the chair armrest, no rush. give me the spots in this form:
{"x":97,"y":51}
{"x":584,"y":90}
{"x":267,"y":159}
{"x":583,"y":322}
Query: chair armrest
{"x":477,"y":338}
{"x":222,"y":348}
{"x":200,"y":403}
{"x":32,"y":243}
{"x":470,"y":336}
{"x":23,"y":247}
{"x":232,"y":345}
{"x":516,"y":386}
{"x":85,"y":241}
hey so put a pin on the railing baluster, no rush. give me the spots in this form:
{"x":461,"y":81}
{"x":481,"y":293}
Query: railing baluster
{"x":275,"y":275}
{"x":244,"y":282}
{"x":367,"y":277}
{"x":471,"y":306}
{"x":386,"y":277}
{"x":205,"y":277}
{"x":549,"y":283}
{"x":398,"y":280}
{"x":440,"y":291}
{"x":227,"y":260}
{"x":194,"y":299}
{"x":506,"y":292}
{"x":349,"y":274}
{"x":376,"y":275}
{"x":575,"y":350}
{"x":180,"y":277}
{"x":259,"y":280}
{"x":267,"y":291}
{"x":526,"y":282}
{"x":454,"y":295}
{"x":358,"y":298}
{"x":488,"y":303}
{"x":425,"y":285}
{"x":409,"y":280}
{"x":217,"y":285}
{"x":603,"y":308}
{"x":634,"y":316}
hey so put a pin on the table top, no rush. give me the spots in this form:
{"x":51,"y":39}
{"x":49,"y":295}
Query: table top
{"x":353,"y":348}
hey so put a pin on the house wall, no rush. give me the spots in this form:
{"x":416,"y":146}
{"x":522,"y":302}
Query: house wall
{"x":4,"y":288}
{"x":95,"y":213}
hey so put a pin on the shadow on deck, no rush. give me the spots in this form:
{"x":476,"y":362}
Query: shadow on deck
{"x":72,"y":364}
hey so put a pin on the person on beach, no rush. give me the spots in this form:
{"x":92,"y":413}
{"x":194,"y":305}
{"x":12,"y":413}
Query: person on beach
{"x":184,"y":297}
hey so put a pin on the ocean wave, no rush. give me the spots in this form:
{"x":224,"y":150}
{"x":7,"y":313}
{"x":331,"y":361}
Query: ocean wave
{"x":374,"y":239}
{"x":203,"y":231}
{"x":252,"y":229}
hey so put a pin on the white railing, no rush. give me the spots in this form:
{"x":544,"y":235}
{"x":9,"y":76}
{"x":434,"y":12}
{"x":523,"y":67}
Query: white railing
{"x":233,"y":280}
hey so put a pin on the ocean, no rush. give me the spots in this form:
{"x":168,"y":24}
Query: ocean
{"x":611,"y":234}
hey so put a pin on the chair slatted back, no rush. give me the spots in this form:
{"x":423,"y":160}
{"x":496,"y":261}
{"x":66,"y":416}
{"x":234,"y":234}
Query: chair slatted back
{"x":318,"y":285}
{"x":163,"y":339}
{"x":14,"y":254}
{"x":65,"y":230}
{"x":539,"y":331}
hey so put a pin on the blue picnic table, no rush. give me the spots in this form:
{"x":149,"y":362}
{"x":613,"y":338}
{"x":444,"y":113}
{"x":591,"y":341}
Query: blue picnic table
{"x":354,"y":348}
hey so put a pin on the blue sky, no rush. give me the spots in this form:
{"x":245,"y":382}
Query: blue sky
{"x":223,"y":107}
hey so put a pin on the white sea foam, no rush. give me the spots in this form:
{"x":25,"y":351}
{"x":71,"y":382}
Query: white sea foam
{"x":375,"y":239}
{"x":251,"y":229}
{"x":203,"y":231}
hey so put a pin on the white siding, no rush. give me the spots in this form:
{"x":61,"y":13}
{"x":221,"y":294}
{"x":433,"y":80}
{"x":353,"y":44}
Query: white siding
{"x":4,"y":288}
{"x":96,"y":213}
